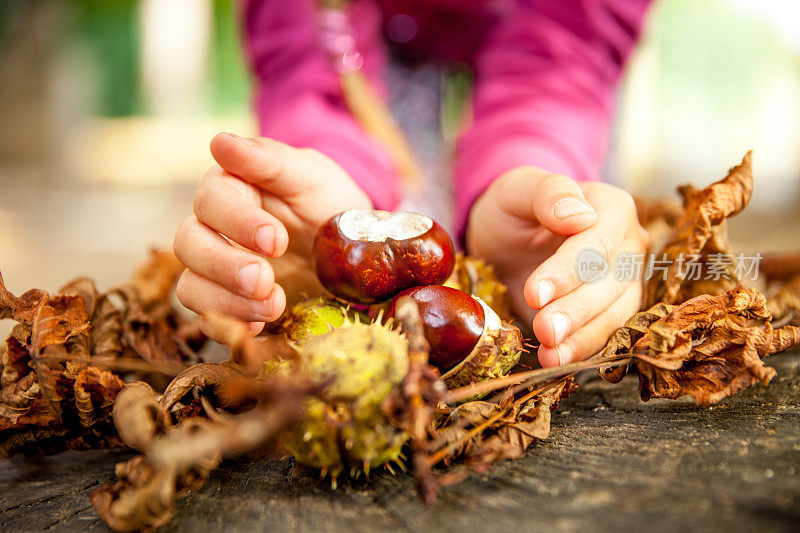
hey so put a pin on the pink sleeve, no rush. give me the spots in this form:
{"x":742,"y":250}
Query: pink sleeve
{"x":298,"y":99}
{"x":544,"y":91}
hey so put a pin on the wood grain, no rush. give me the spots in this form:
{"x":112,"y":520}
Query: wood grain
{"x":612,"y":463}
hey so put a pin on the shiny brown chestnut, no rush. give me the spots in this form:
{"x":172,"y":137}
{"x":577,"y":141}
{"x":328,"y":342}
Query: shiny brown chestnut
{"x":452,"y":319}
{"x":368,"y":256}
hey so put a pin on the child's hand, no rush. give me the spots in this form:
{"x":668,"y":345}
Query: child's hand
{"x":532,"y":225}
{"x":269,"y":199}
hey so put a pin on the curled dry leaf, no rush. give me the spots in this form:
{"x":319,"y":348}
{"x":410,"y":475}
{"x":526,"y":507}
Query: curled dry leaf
{"x":22,"y":405}
{"x":181,"y":458}
{"x":139,"y":416}
{"x":57,"y":319}
{"x":95,"y":391}
{"x":623,"y":339}
{"x":106,"y":334}
{"x":143,"y":497}
{"x":20,"y":309}
{"x":784,"y":305}
{"x":700,"y":235}
{"x":709,"y":347}
{"x":207,"y":380}
{"x":782,"y":271}
{"x":149,"y":334}
{"x":154,"y":279}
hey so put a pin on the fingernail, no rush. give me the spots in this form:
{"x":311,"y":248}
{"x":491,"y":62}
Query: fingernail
{"x":560,"y":323}
{"x":239,"y":138}
{"x":247,"y":276}
{"x":262,"y":309}
{"x":264,"y":239}
{"x":570,"y":207}
{"x":546,"y":291}
{"x":255,"y":327}
{"x":564,"y":352}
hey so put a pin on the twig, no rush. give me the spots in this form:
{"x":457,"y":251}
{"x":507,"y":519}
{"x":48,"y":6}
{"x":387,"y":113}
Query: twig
{"x":531,"y":377}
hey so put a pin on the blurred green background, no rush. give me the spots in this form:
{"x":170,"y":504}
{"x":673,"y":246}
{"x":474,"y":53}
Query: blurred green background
{"x":107,"y":107}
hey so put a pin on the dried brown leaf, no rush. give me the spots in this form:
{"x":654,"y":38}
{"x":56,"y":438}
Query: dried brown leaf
{"x":206,"y":379}
{"x":15,"y":360}
{"x":701,"y":232}
{"x":59,"y":373}
{"x":181,"y":458}
{"x":780,"y":266}
{"x":487,"y":432}
{"x":57,"y":319}
{"x":149,"y":336}
{"x":784,"y":305}
{"x":709,"y":347}
{"x":20,"y":309}
{"x":21,"y":405}
{"x":95,"y":392}
{"x":138,"y":415}
{"x":524,"y":423}
{"x":142,"y":499}
{"x":623,"y":339}
{"x":154,"y":280}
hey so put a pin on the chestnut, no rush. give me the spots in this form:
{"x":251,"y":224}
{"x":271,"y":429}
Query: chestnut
{"x":368,"y":256}
{"x":468,"y":341}
{"x":452,"y":319}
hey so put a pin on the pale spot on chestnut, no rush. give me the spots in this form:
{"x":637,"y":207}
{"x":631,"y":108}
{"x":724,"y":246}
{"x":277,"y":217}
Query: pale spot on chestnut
{"x":373,"y":225}
{"x":368,"y":256}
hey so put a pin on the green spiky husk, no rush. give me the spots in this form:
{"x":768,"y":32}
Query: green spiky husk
{"x":360,"y":365}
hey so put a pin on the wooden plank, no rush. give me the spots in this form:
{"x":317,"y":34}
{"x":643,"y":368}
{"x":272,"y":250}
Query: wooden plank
{"x":612,"y":463}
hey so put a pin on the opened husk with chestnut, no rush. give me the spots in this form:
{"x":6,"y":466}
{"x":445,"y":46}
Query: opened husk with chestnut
{"x":371,"y":257}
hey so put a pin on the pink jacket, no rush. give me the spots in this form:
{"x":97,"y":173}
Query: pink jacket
{"x":545,"y":79}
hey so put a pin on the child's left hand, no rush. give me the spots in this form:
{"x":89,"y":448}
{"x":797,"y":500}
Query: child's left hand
{"x":532,"y":225}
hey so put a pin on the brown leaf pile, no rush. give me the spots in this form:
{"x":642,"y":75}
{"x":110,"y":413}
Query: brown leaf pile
{"x":483,"y":433}
{"x":216,"y":410}
{"x":709,"y":347}
{"x":208,"y":412}
{"x":179,"y":451}
{"x":69,"y":353}
{"x":706,"y":338}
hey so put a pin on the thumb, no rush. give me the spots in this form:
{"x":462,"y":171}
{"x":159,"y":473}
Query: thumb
{"x":555,"y":201}
{"x":268,"y":164}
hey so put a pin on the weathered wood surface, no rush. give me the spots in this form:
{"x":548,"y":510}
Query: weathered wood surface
{"x":612,"y":463}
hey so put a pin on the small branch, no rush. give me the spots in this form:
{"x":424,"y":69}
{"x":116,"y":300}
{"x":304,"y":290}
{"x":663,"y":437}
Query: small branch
{"x":531,"y":377}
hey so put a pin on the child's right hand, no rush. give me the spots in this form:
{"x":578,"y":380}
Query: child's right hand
{"x":269,"y":199}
